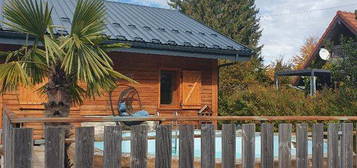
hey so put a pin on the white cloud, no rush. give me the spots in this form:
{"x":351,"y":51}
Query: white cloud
{"x":287,"y":23}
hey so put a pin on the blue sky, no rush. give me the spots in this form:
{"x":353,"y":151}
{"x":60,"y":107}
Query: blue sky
{"x":285,"y":23}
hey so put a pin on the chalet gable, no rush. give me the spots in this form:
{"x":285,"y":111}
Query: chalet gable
{"x":344,"y":23}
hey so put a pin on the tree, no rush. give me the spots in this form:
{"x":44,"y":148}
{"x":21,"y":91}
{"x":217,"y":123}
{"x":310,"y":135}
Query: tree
{"x":305,"y":51}
{"x":72,"y":66}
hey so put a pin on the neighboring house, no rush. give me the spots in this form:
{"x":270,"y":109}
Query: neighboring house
{"x":343,"y":24}
{"x":173,"y":57}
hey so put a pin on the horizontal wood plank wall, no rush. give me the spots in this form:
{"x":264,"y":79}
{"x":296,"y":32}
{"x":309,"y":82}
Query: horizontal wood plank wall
{"x":145,"y":70}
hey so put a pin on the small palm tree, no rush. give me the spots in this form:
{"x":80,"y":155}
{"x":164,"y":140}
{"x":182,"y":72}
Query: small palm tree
{"x":73,"y":66}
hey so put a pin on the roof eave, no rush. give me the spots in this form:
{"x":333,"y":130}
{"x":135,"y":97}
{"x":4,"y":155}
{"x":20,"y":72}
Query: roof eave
{"x":14,"y":38}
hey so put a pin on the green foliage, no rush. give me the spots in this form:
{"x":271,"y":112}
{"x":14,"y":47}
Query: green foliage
{"x":344,"y":70}
{"x":62,"y":60}
{"x":267,"y":101}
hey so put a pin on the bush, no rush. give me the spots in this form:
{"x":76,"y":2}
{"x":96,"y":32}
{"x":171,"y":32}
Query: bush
{"x":267,"y":101}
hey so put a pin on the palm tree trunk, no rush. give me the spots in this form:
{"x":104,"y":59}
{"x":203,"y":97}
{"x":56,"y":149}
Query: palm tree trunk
{"x":59,"y":104}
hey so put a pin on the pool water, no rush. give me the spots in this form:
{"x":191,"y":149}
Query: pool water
{"x":218,"y":146}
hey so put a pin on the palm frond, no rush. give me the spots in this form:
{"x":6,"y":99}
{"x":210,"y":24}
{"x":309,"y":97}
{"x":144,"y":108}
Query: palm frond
{"x":88,"y":18}
{"x":12,"y":75}
{"x":28,"y":16}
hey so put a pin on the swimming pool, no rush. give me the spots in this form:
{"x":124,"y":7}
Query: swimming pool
{"x":218,"y":146}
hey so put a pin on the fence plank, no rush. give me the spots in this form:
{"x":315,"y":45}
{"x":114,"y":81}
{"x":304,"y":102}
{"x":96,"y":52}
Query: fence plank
{"x":333,"y":161}
{"x":228,"y":145}
{"x":347,"y":145}
{"x":301,"y":146}
{"x":248,"y":141}
{"x":7,"y":140}
{"x":186,"y":146}
{"x":84,"y":147}
{"x":22,"y":138}
{"x":317,"y":145}
{"x":285,"y":145}
{"x":112,"y":146}
{"x":207,"y":146}
{"x":267,"y":145}
{"x":139,"y":146}
{"x":163,"y":146}
{"x":54,"y":147}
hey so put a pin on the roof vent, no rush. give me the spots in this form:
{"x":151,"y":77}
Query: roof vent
{"x":147,"y":28}
{"x":214,"y":35}
{"x":201,"y":45}
{"x":121,"y":37}
{"x":162,"y":29}
{"x":188,"y":32}
{"x":216,"y":46}
{"x":201,"y":33}
{"x":187,"y":44}
{"x":62,"y":32}
{"x":132,"y":26}
{"x":138,"y":39}
{"x":156,"y":41}
{"x":116,"y":25}
{"x":230,"y":47}
{"x":175,"y":31}
{"x":65,"y":19}
{"x":171,"y":42}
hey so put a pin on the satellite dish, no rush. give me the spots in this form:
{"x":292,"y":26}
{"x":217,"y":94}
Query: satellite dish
{"x":324,"y":54}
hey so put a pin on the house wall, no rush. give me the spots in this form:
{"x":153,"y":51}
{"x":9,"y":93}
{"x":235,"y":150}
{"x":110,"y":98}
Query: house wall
{"x":145,"y":69}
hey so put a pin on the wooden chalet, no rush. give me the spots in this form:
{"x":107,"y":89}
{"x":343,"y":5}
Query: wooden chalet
{"x":173,"y":57}
{"x":343,"y":24}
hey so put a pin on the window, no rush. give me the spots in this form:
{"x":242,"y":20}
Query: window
{"x":168,"y":87}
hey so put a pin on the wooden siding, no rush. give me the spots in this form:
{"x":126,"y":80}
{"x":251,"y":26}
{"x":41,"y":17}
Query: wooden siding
{"x":143,"y":68}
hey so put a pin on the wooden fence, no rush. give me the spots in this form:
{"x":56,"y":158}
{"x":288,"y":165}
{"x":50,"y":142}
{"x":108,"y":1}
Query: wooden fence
{"x":18,"y":145}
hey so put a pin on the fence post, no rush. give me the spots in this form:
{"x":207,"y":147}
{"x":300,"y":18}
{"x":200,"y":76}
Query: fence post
{"x":248,"y":141}
{"x":285,"y":145}
{"x":22,"y":139}
{"x":112,"y":146}
{"x":163,"y":146}
{"x":84,"y":147}
{"x":139,"y":146}
{"x":333,"y":161}
{"x":186,"y":146}
{"x":347,"y":145}
{"x":267,"y":146}
{"x":301,"y":146}
{"x":228,"y":145}
{"x":54,"y":147}
{"x":207,"y":146}
{"x":7,"y":140}
{"x":317,"y":145}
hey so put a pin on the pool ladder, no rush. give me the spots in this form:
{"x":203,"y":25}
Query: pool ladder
{"x":174,"y":125}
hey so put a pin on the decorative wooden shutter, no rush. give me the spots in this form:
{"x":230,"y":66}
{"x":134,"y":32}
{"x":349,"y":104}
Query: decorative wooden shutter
{"x":191,"y":90}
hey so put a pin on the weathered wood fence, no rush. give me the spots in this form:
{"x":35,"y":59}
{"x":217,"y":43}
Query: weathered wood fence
{"x":18,"y":144}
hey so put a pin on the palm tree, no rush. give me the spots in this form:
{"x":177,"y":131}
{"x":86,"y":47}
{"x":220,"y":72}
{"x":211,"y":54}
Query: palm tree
{"x":71,"y":66}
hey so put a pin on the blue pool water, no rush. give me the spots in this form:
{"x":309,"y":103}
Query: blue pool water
{"x":218,"y":146}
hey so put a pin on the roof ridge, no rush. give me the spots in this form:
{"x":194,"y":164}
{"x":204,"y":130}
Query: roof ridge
{"x":137,"y":5}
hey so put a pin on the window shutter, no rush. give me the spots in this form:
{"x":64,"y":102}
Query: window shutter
{"x":191,"y":90}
